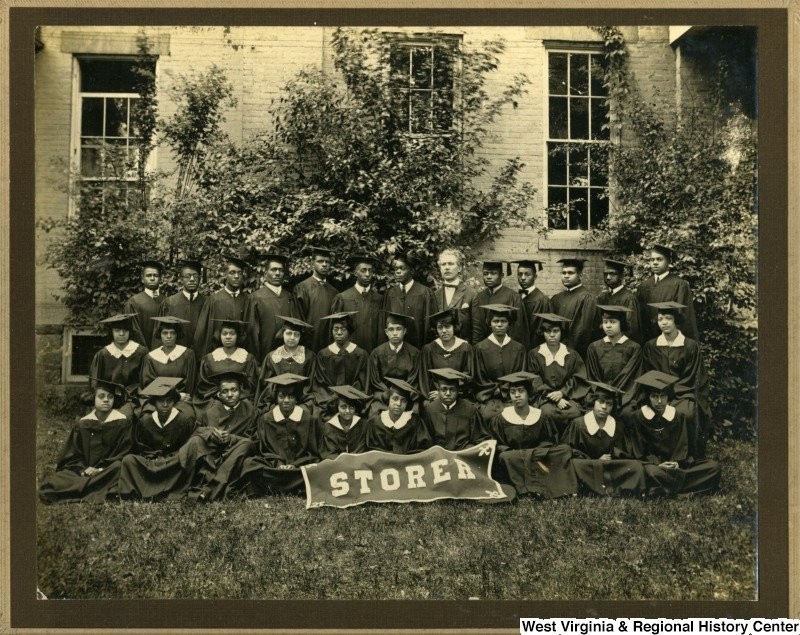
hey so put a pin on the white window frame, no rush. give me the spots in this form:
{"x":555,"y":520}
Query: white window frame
{"x":66,"y":359}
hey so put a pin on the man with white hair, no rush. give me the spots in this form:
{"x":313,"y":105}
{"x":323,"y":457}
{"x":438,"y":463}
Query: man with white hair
{"x":454,"y":292}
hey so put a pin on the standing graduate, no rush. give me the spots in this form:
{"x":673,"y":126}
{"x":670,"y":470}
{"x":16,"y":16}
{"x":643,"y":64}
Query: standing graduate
{"x":120,"y":362}
{"x":266,"y":304}
{"x":315,"y":297}
{"x":226,"y":304}
{"x":453,"y":422}
{"x":170,"y":359}
{"x":395,"y":358}
{"x":561,"y":370}
{"x":598,"y":443}
{"x":617,"y":294}
{"x":292,"y":357}
{"x":187,"y":303}
{"x":146,"y":304}
{"x":88,"y":466}
{"x":228,"y":358}
{"x":446,"y":351}
{"x":339,"y":364}
{"x":664,"y":286}
{"x":661,"y":437}
{"x":496,"y":356}
{"x":454,"y":292}
{"x":346,"y":430}
{"x":615,"y":359}
{"x":533,"y":301}
{"x":363,"y":302}
{"x":412,"y":298}
{"x":397,"y":428}
{"x":577,"y":304}
{"x":674,"y":353}
{"x":497,"y":293}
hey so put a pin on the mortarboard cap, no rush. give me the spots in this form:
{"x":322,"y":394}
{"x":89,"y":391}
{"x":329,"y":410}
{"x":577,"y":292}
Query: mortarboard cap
{"x":501,"y":309}
{"x":572,"y":262}
{"x":155,"y":264}
{"x":615,"y":266}
{"x":497,"y":265}
{"x":237,"y":324}
{"x":450,"y":374}
{"x":411,"y":260}
{"x":667,"y":252}
{"x":229,"y":375}
{"x":321,"y":251}
{"x":656,"y":379}
{"x":674,"y":306}
{"x":536,"y":265}
{"x":350,"y":393}
{"x":194,"y":265}
{"x":301,"y":326}
{"x":118,"y":390}
{"x":274,"y":256}
{"x":521,"y":377}
{"x":552,"y":318}
{"x":614,"y":308}
{"x":354,"y":261}
{"x":161,"y":387}
{"x":119,"y":318}
{"x":402,"y":385}
{"x":235,"y":260}
{"x":447,"y":313}
{"x":287,"y":379}
{"x":398,"y":317}
{"x":599,"y":386}
{"x":169,"y":319}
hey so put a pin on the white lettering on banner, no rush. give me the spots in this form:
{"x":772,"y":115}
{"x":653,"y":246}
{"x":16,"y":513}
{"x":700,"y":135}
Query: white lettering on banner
{"x":464,"y":471}
{"x":439,"y":475}
{"x":385,"y":484}
{"x":339,"y":484}
{"x":415,"y":474}
{"x":363,"y":476}
{"x":629,"y":626}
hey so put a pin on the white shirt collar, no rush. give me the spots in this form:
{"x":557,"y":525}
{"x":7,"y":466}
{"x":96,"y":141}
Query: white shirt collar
{"x":649,"y":413}
{"x":399,"y":347}
{"x":334,"y":348}
{"x":239,"y":355}
{"x":592,"y":427}
{"x":318,"y":279}
{"x":659,"y":277}
{"x":334,"y":421}
{"x":530,"y":289}
{"x":577,"y":286}
{"x":361,"y":289}
{"x":679,"y":340}
{"x":621,"y":340}
{"x":172,"y":414}
{"x":451,"y":406}
{"x":617,"y":289}
{"x":452,"y":285}
{"x":457,"y":342}
{"x":494,"y":340}
{"x":161,"y":357}
{"x":510,"y":415}
{"x":129,"y":349}
{"x":189,"y":296}
{"x":151,"y":293}
{"x":273,"y":288}
{"x":114,"y":415}
{"x":295,"y":415}
{"x":228,"y":408}
{"x":493,"y":290}
{"x":233,"y":294}
{"x":400,"y":423}
{"x":549,"y":358}
{"x":407,"y":286}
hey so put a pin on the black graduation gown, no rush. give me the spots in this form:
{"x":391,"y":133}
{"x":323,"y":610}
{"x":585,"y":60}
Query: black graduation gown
{"x":218,"y":362}
{"x":122,"y":370}
{"x":90,"y":444}
{"x":481,"y":324}
{"x":618,"y":365}
{"x":177,"y":305}
{"x":314,"y":301}
{"x":367,"y":331}
{"x":335,"y":367}
{"x":620,"y":475}
{"x":335,"y":440}
{"x":492,"y":362}
{"x":419,"y":303}
{"x":143,"y":326}
{"x":456,"y":428}
{"x":654,"y":438}
{"x":627,"y":298}
{"x":220,"y":305}
{"x":432,"y":355}
{"x":384,"y":362}
{"x":276,"y":363}
{"x":184,"y":366}
{"x":569,"y":379}
{"x":673,"y":288}
{"x":463,"y":295}
{"x":410,"y":438}
{"x":534,"y":302}
{"x":263,"y":323}
{"x":578,"y":305}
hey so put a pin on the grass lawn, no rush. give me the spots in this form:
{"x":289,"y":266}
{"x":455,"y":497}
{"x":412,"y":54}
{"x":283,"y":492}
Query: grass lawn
{"x":272,"y":548}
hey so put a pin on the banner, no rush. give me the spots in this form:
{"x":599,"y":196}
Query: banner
{"x":382,"y":477}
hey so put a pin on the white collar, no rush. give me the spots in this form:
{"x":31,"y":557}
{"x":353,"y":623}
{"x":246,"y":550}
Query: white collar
{"x":280,"y":353}
{"x":453,"y":285}
{"x":457,"y":341}
{"x":228,"y":408}
{"x":494,"y":340}
{"x":239,"y":355}
{"x":233,"y":294}
{"x":129,"y":349}
{"x":320,"y":280}
{"x":679,"y":340}
{"x":659,"y":277}
{"x":510,"y":415}
{"x":361,"y":289}
{"x":493,"y":290}
{"x":530,"y":289}
{"x":649,"y":413}
{"x":399,"y":347}
{"x":161,"y":357}
{"x":295,"y":415}
{"x":407,"y":285}
{"x":451,"y":406}
{"x":617,"y":289}
{"x":549,"y":358}
{"x":334,"y":348}
{"x":336,"y":424}
{"x":151,"y":293}
{"x":577,"y":286}
{"x":621,"y":340}
{"x":400,"y":423}
{"x":189,"y":296}
{"x":273,"y":288}
{"x":114,"y":415}
{"x":172,"y":414}
{"x":592,"y":427}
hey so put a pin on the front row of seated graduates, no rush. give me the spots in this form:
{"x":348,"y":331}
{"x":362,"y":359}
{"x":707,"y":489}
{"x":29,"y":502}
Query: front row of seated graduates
{"x":628,"y":421}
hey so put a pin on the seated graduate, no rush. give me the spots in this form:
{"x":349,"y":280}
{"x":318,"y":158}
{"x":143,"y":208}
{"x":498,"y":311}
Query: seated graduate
{"x":675,"y":354}
{"x":342,"y":363}
{"x":228,"y":358}
{"x":396,"y":358}
{"x":292,"y":357}
{"x":171,"y":359}
{"x":561,"y":370}
{"x":452,"y":421}
{"x":121,"y":361}
{"x":88,"y":466}
{"x":599,"y":450}
{"x":496,"y":356}
{"x":286,"y":438}
{"x":346,"y":430}
{"x":397,"y":429}
{"x":446,"y":351}
{"x":154,"y":469}
{"x":660,"y":436}
{"x":615,"y":359}
{"x":528,"y":455}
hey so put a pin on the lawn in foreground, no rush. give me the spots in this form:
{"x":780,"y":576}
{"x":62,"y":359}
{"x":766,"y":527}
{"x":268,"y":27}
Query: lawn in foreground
{"x":272,"y":548}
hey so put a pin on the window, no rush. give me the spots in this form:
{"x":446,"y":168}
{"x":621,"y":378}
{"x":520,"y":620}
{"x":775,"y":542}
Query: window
{"x":577,"y":146}
{"x":423,"y":74}
{"x":79,"y":349}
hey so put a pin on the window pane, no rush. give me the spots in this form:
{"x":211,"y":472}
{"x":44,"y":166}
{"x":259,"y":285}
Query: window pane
{"x":558,"y":117}
{"x":579,"y":118}
{"x":597,"y":71}
{"x":117,"y":117}
{"x":557,"y":164}
{"x":558,"y":73}
{"x":421,"y":67}
{"x":578,"y":208}
{"x":557,"y":207}
{"x":598,"y":164}
{"x":578,"y":165}
{"x":116,"y":158}
{"x":599,"y":121}
{"x":398,"y":60}
{"x":91,"y":157}
{"x":91,"y":116}
{"x":443,"y":60}
{"x":110,"y":76}
{"x":598,"y":206}
{"x":84,"y":348}
{"x":420,"y":111}
{"x":578,"y":74}
{"x":443,"y":109}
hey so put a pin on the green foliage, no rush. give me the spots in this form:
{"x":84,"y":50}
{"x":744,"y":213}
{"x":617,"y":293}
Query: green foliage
{"x":690,"y":183}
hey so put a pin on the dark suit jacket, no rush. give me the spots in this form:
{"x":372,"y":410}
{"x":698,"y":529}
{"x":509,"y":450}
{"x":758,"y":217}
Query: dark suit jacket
{"x":462,"y":299}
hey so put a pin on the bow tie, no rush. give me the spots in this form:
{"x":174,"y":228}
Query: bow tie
{"x":523,"y":292}
{"x":451,"y":286}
